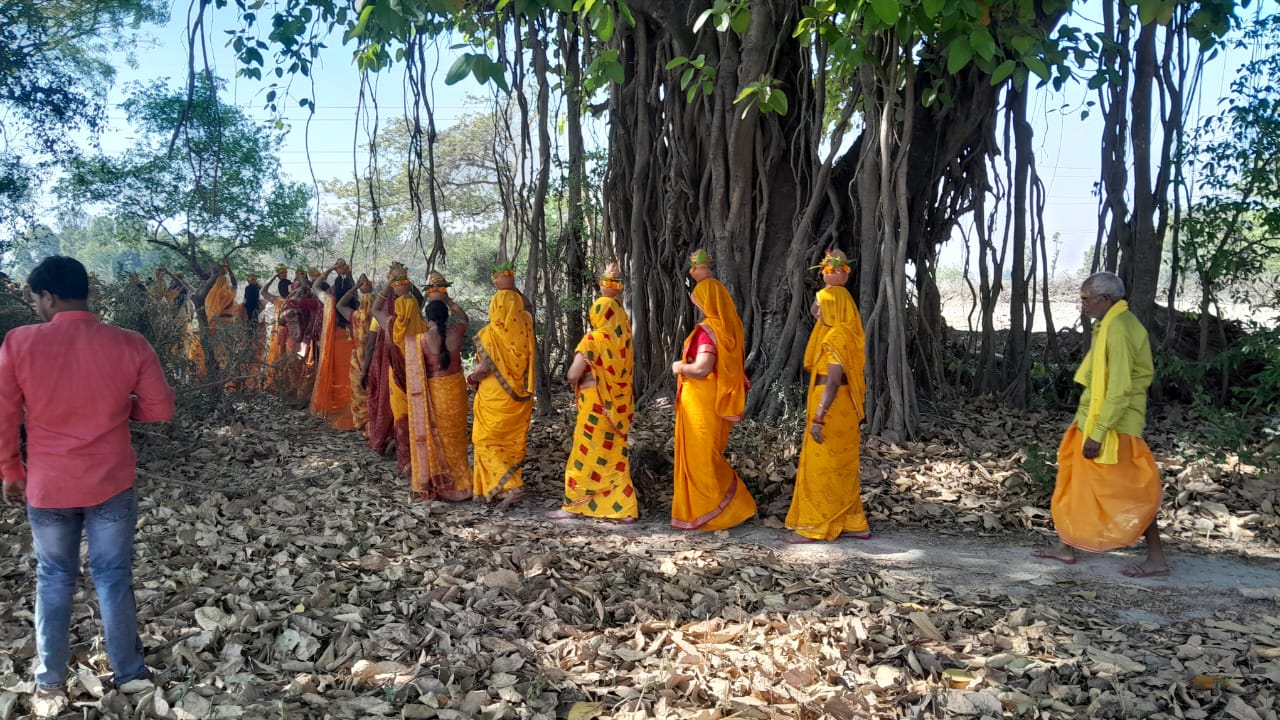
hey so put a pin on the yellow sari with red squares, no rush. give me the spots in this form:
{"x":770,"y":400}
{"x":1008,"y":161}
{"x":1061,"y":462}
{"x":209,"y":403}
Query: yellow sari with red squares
{"x":597,"y":477}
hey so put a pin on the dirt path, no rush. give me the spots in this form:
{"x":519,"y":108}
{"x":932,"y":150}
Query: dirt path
{"x":282,"y":572}
{"x":1198,"y":585}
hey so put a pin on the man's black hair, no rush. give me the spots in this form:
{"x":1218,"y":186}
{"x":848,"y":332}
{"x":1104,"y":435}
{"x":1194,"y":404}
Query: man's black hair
{"x":64,"y":277}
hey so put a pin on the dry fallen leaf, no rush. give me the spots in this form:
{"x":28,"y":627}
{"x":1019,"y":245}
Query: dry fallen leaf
{"x":302,"y":583}
{"x":585,"y":710}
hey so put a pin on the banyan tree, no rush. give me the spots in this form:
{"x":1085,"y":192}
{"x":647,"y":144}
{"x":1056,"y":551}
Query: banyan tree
{"x":767,"y":131}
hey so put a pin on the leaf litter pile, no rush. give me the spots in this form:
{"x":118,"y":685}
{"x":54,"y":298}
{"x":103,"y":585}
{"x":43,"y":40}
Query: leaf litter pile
{"x":281,"y":573}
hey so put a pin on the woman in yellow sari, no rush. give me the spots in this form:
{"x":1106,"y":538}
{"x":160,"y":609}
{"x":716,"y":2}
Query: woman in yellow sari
{"x":437,"y":393}
{"x":504,"y":381}
{"x":221,"y":311}
{"x":597,"y":477}
{"x":827,"y":501}
{"x":406,"y":323}
{"x":711,"y":394}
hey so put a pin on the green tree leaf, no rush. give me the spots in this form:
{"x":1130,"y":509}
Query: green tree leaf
{"x":958,"y":55}
{"x":886,"y":10}
{"x":982,"y":43}
{"x":459,"y":69}
{"x":1003,"y":71}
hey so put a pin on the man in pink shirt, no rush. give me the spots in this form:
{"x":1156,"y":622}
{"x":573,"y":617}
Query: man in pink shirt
{"x":78,"y":382}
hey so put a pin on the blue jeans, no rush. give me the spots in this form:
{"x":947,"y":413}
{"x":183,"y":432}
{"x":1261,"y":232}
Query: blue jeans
{"x":55,"y":534}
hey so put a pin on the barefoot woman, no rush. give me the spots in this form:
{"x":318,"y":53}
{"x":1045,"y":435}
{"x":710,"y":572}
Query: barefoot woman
{"x":597,"y":476}
{"x":827,"y":501}
{"x":504,"y":382}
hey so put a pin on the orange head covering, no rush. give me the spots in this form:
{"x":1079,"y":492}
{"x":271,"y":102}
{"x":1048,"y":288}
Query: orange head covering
{"x":409,"y":320}
{"x":725,"y":327}
{"x":839,"y":332}
{"x":607,"y":349}
{"x":220,"y":298}
{"x":507,"y":342}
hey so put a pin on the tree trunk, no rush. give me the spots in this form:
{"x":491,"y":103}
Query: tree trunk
{"x":571,"y":235}
{"x":1140,"y":262}
{"x":1017,"y":365}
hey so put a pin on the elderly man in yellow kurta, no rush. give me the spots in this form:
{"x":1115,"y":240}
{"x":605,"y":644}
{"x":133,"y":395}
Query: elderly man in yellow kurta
{"x":1108,"y":489}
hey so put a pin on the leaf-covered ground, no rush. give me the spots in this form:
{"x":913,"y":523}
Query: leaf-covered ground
{"x":282,"y":573}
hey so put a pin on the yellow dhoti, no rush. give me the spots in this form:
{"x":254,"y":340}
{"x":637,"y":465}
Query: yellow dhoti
{"x":500,"y":434}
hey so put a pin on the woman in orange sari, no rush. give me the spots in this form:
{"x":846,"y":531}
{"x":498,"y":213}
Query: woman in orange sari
{"x":711,"y":393}
{"x":504,"y":382}
{"x":437,"y":395}
{"x":331,"y":397}
{"x":221,"y":311}
{"x":597,"y":476}
{"x":827,"y":501}
{"x":220,"y":305}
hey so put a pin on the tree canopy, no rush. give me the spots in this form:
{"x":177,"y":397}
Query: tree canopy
{"x":54,"y":71}
{"x":202,"y":181}
{"x":770,"y":130}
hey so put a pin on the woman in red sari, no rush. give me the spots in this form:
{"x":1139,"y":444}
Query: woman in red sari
{"x":381,"y":427}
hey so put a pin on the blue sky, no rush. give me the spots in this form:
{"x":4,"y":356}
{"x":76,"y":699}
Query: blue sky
{"x":337,"y":85}
{"x":1067,"y":148}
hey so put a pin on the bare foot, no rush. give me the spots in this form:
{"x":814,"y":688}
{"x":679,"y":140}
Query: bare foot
{"x":857,"y":536}
{"x":797,"y":539}
{"x":1145,"y":570}
{"x":511,"y":499}
{"x":559,"y":515}
{"x":1062,"y":553}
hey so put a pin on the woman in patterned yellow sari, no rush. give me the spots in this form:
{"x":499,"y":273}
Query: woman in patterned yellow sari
{"x":711,"y":394}
{"x":360,"y":318}
{"x":827,"y":501}
{"x":437,"y":393}
{"x":597,"y":477}
{"x":504,"y":382}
